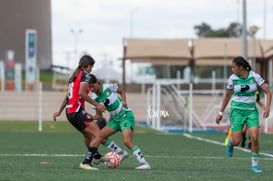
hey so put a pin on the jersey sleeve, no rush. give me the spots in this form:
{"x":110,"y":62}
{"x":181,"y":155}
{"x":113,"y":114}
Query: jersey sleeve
{"x":230,"y":85}
{"x":112,"y":87}
{"x":259,"y":79}
{"x":85,"y":78}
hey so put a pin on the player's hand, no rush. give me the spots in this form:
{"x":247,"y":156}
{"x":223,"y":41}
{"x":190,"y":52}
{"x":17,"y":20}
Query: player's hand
{"x":266,"y":113}
{"x":124,"y":104}
{"x":100,"y":107}
{"x":218,"y":118}
{"x":56,"y":114}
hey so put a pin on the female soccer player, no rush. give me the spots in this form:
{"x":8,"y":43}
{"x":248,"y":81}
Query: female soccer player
{"x":76,"y":114}
{"x":243,"y":84}
{"x":71,"y":99}
{"x":122,"y":117}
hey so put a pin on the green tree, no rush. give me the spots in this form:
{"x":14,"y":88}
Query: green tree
{"x":204,"y":30}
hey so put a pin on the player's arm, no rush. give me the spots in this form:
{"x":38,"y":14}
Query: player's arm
{"x":260,"y":103}
{"x":123,"y":97}
{"x":62,"y":106}
{"x":227,"y":97}
{"x":268,"y":100}
{"x":98,"y":115}
{"x":85,"y":96}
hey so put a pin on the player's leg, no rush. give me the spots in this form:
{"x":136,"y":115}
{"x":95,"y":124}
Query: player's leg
{"x":233,"y":141}
{"x":127,"y":127}
{"x":253,"y":132}
{"x":90,"y":129}
{"x":80,"y":121}
{"x":109,"y":130}
{"x":253,"y":129}
{"x":249,"y":143}
{"x":127,"y":139}
{"x":101,"y":124}
{"x":243,"y":143}
{"x":98,"y":137}
{"x":236,"y":123}
{"x":236,"y":138}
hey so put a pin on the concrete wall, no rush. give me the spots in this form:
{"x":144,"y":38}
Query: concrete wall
{"x":25,"y":105}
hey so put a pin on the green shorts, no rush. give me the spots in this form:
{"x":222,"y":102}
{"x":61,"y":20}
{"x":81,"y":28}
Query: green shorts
{"x":123,"y":123}
{"x":239,"y":117}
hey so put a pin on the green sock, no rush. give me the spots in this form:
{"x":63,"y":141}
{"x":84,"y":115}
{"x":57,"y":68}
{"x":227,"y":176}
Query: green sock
{"x":134,"y":148}
{"x":107,"y":142}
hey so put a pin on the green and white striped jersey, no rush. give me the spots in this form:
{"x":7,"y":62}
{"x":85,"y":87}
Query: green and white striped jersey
{"x":244,"y":90}
{"x":110,"y":99}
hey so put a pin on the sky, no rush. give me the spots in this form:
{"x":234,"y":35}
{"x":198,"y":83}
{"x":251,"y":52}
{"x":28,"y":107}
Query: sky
{"x":99,"y":26}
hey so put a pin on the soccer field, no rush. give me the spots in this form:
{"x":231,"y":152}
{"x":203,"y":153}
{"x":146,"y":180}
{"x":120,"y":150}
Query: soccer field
{"x":173,"y":157}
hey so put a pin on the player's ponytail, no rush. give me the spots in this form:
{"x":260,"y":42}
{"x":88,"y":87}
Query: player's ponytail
{"x":241,"y":61}
{"x":83,"y":63}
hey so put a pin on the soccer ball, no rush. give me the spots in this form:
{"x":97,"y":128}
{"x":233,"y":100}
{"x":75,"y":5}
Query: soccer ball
{"x":114,"y":160}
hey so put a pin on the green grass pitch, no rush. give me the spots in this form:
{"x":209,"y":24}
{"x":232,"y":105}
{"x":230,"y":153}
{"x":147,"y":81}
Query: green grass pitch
{"x":173,"y":157}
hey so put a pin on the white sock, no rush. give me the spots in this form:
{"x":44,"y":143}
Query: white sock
{"x":114,"y":147}
{"x":140,"y":158}
{"x":254,"y":161}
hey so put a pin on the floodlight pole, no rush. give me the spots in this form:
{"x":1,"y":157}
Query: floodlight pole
{"x":253,"y":30}
{"x":132,"y":12}
{"x":244,"y":31}
{"x":123,"y":64}
{"x":76,"y":35}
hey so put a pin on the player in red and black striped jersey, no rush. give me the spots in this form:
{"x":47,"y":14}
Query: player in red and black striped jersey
{"x":74,"y":102}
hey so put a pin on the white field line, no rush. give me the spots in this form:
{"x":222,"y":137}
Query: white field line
{"x":148,"y":156}
{"x":219,"y":143}
{"x":152,"y":156}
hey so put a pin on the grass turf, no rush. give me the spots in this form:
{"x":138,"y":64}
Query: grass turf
{"x":172,"y":156}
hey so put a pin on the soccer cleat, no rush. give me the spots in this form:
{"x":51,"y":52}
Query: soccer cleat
{"x":229,"y":149}
{"x":144,"y":166}
{"x":123,"y":154}
{"x":101,"y":160}
{"x":228,"y":135}
{"x":87,"y":166}
{"x":256,"y":170}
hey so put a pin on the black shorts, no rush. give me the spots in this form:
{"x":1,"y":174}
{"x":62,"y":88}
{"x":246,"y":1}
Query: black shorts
{"x":80,"y":120}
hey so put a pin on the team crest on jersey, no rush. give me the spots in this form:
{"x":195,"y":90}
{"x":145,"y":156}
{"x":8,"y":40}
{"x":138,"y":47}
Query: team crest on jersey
{"x":251,"y":81}
{"x":107,"y":93}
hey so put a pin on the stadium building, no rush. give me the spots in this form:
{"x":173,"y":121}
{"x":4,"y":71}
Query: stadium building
{"x":17,"y":16}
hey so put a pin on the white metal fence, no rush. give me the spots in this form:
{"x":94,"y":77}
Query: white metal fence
{"x":190,"y":110}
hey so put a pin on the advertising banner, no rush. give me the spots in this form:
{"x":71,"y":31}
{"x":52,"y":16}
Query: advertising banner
{"x":2,"y":75}
{"x":10,"y":70}
{"x":18,"y":77}
{"x":31,"y":55}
